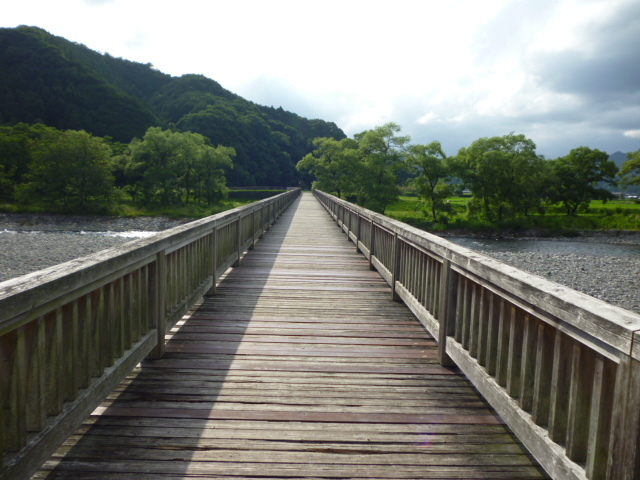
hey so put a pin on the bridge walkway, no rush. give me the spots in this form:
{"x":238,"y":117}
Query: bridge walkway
{"x":300,"y":366}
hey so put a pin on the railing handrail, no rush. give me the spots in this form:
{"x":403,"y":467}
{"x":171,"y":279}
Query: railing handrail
{"x":70,"y":333}
{"x":562,"y":368}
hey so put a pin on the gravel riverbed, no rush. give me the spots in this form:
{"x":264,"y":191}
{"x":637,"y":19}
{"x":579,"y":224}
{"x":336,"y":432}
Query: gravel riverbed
{"x":614,"y":280}
{"x":32,"y":242}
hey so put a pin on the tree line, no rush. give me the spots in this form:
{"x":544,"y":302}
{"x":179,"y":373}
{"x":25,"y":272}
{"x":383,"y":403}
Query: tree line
{"x":74,"y":169}
{"x":506,"y":176}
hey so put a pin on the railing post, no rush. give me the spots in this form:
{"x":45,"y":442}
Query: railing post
{"x":159,"y":279}
{"x":624,"y":458}
{"x":395,"y":267}
{"x":447,"y":301}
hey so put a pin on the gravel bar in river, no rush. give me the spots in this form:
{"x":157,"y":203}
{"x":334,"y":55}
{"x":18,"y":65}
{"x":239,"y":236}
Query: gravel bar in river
{"x":33,"y":242}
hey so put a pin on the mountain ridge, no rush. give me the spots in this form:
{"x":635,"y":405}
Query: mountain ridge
{"x":51,"y":80}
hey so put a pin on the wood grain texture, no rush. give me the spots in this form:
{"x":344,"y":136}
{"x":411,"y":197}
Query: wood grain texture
{"x":301,"y":366}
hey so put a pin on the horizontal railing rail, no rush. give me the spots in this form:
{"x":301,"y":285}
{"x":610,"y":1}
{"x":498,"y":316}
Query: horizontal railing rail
{"x":560,"y":367}
{"x":70,"y":333}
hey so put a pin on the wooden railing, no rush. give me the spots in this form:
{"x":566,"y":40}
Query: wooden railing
{"x":560,"y":367}
{"x":70,"y":333}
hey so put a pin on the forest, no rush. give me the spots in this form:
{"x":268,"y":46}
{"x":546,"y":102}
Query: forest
{"x":45,"y":79}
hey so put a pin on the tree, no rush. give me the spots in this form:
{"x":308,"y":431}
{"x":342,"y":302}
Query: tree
{"x":382,"y":155}
{"x":631,"y":169}
{"x":432,"y":172}
{"x":69,"y":167}
{"x":363,"y":168}
{"x":576,"y":177}
{"x":502,"y":173}
{"x":172,"y":167}
{"x":333,"y":163}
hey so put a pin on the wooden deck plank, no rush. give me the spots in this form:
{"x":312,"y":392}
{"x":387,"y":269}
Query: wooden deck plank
{"x":301,"y":366}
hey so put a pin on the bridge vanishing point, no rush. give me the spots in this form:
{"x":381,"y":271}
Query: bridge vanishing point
{"x":386,"y":353}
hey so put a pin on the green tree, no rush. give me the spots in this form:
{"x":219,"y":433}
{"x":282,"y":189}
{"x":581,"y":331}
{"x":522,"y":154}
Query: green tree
{"x":69,"y":167}
{"x":500,"y":171}
{"x":166,"y":167}
{"x":631,"y":169}
{"x":576,"y":177}
{"x":333,"y":163}
{"x":209,"y":171}
{"x":363,"y":169}
{"x":432,"y":170}
{"x":381,"y":155}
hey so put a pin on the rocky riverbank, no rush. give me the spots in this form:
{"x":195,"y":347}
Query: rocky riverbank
{"x":32,"y":242}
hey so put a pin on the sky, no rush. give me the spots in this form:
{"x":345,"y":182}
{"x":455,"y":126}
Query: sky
{"x":565,"y":73}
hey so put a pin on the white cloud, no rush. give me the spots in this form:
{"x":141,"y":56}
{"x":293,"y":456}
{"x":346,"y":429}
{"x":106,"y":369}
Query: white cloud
{"x":452,"y":71}
{"x":632,"y":133}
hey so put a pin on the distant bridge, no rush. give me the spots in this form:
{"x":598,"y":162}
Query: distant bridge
{"x":304,"y":362}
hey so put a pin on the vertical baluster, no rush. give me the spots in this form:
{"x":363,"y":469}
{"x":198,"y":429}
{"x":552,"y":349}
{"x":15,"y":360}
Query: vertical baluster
{"x":13,"y":361}
{"x":238,"y":242}
{"x":502,"y":359}
{"x":528,"y":362}
{"x":372,"y":250}
{"x":493,"y":328}
{"x":84,"y":343}
{"x":624,"y":459}
{"x":158,"y":277}
{"x":545,"y":348}
{"x":53,"y":322}
{"x":395,"y":266}
{"x":36,"y":381}
{"x":76,"y":350}
{"x":483,"y":326}
{"x":421,"y":284}
{"x":580,"y":390}
{"x":470,"y":288}
{"x":118,"y":314}
{"x":129,"y":311}
{"x":514,"y":368}
{"x":136,"y":305}
{"x":432,"y":299}
{"x":460,"y":307}
{"x":474,"y":320}
{"x":559,"y":397}
{"x":97,"y":328}
{"x":600,"y":417}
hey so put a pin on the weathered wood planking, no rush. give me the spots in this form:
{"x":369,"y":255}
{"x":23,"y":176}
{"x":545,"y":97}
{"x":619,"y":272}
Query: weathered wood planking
{"x":300,"y":366}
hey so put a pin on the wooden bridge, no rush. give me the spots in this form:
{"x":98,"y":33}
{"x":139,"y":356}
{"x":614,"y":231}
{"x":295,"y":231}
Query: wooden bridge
{"x":316,"y":357}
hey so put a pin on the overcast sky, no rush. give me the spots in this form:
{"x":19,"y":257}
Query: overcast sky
{"x":565,"y":73}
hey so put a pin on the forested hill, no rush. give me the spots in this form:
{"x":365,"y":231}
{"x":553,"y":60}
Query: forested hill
{"x":48,"y":79}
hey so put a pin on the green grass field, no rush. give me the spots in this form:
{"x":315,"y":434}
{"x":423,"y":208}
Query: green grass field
{"x":612,"y":215}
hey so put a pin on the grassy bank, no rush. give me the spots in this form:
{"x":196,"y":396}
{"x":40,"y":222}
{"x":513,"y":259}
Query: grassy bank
{"x":616,"y":215}
{"x":128,"y":208}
